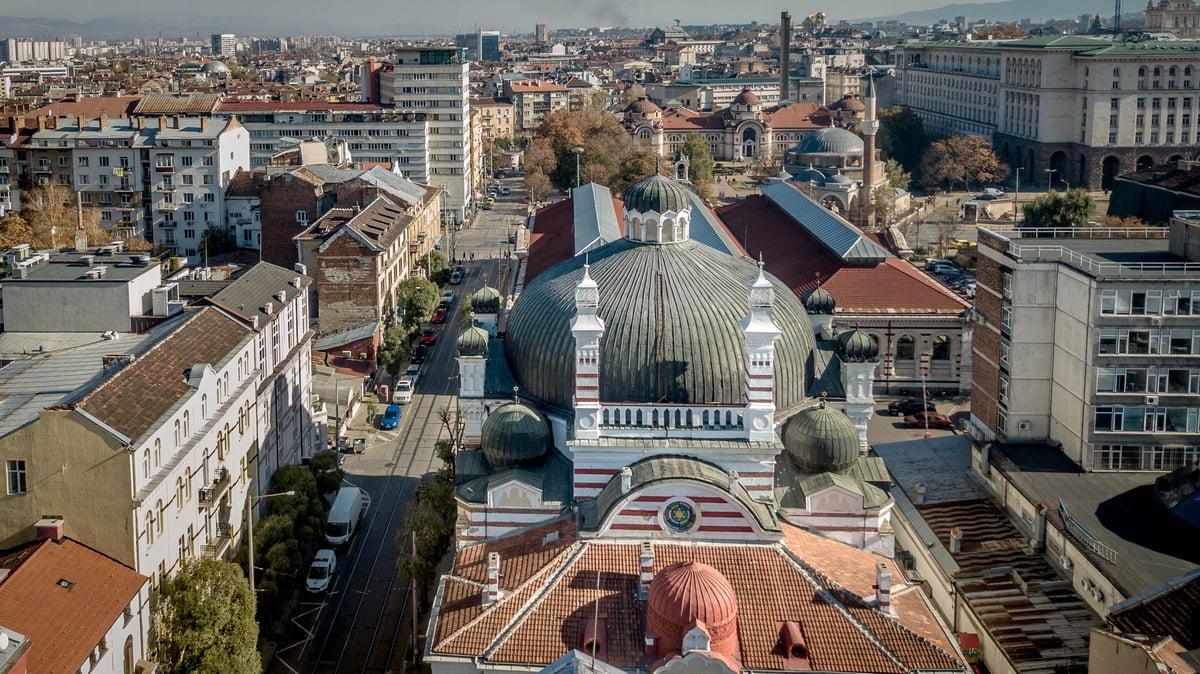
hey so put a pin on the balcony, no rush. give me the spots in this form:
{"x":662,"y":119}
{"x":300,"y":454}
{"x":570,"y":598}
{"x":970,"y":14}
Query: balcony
{"x":167,"y":206}
{"x":213,"y":492}
{"x":164,"y":169}
{"x":3,"y":168}
{"x":215,"y":550}
{"x":43,"y":168}
{"x":224,"y":530}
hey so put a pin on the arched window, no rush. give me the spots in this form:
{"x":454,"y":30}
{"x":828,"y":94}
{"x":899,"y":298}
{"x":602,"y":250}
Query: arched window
{"x":179,"y":493}
{"x":941,"y":348}
{"x":157,"y":452}
{"x":161,"y":517}
{"x":187,"y":424}
{"x":1172,"y":71}
{"x":151,"y":525}
{"x":177,"y":435}
{"x":146,"y":463}
{"x":1116,"y":72}
{"x":906,"y":348}
{"x":644,"y":133}
{"x":204,"y":406}
{"x":1157,"y":71}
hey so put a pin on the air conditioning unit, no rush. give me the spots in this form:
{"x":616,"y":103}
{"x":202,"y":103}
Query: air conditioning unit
{"x":1151,"y":400}
{"x":1156,"y":321}
{"x":1065,"y":561}
{"x":1022,"y":425}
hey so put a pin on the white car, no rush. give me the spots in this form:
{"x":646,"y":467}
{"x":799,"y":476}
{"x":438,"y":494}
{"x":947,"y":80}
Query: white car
{"x":320,"y":574}
{"x":404,"y":391}
{"x":413,"y":373}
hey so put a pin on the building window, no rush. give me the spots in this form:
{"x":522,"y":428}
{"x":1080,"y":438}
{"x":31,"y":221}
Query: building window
{"x":185,"y":161}
{"x":906,"y":348}
{"x":16,"y":476}
{"x":151,"y":525}
{"x":302,"y":217}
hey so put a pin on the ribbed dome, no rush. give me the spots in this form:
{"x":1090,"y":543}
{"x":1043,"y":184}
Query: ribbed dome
{"x":215,"y":68}
{"x":849,"y":103}
{"x":672,"y":332}
{"x":472,"y":342}
{"x":690,"y":592}
{"x":810,"y":175}
{"x":818,"y":302}
{"x":515,"y":435}
{"x":831,"y":141}
{"x":657,"y":193}
{"x":643,"y":106}
{"x":857,"y":346}
{"x":747,"y":97}
{"x":821,"y":439}
{"x":839,"y":179}
{"x":486,"y":300}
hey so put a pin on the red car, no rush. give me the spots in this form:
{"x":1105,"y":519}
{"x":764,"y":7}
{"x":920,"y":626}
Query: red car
{"x":439,"y":315}
{"x":429,"y":337}
{"x":934,"y":420}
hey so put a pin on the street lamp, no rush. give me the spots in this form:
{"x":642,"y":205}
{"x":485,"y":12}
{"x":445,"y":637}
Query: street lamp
{"x":578,"y":151}
{"x":250,"y":501}
{"x":1049,"y":175}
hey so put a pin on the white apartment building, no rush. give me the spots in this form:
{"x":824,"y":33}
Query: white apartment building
{"x":434,"y":80}
{"x":224,"y":45}
{"x":165,"y":177}
{"x":1077,"y":111}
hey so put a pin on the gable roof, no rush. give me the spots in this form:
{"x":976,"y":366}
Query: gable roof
{"x":64,"y":623}
{"x":377,"y":224}
{"x":1172,"y":609}
{"x":594,"y":217}
{"x":257,"y":286}
{"x":836,"y":234}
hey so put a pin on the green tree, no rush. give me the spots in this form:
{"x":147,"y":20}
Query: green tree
{"x":217,"y":240}
{"x":700,"y":161}
{"x":397,"y":350}
{"x":897,"y":176}
{"x":902,"y":137}
{"x":1056,"y":210}
{"x":205,"y":621}
{"x":430,"y":520}
{"x":418,"y":298}
{"x":325,"y":470}
{"x":883,"y":203}
{"x":634,"y":168}
{"x":436,"y":267}
{"x":960,"y":160}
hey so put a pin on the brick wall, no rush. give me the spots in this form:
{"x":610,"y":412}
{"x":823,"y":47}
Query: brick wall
{"x":346,"y":284}
{"x":281,"y":197}
{"x":355,"y":192}
{"x":985,"y":343}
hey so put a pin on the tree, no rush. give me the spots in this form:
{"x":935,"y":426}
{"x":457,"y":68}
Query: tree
{"x":1056,"y":210}
{"x":50,"y":211}
{"x":14,"y":230}
{"x":325,"y":470}
{"x":205,"y":620}
{"x":700,"y":161}
{"x":897,"y":176}
{"x":396,"y":349}
{"x":538,"y":184}
{"x":429,"y":525}
{"x":883,"y":203}
{"x":417,"y":297}
{"x":960,"y":160}
{"x":902,"y":137}
{"x":631,"y":94}
{"x":437,"y":268}
{"x":540,"y":157}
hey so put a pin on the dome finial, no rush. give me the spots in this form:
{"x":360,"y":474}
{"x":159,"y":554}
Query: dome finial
{"x":516,"y":389}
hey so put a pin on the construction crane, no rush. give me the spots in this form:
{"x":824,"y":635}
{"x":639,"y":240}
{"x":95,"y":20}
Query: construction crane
{"x":1117,"y":18}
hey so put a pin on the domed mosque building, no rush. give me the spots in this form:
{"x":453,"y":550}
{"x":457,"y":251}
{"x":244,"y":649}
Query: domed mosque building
{"x":663,"y":450}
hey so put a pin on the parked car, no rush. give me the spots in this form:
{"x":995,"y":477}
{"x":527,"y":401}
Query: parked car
{"x":320,"y":572}
{"x":447,"y":297}
{"x":439,"y":316}
{"x":993,"y":192}
{"x":499,"y":174}
{"x":404,"y":391}
{"x":429,"y":336}
{"x":391,"y":418}
{"x":934,"y":262}
{"x":420,"y":353}
{"x":930,"y":419}
{"x":413,"y":373}
{"x":456,"y":276}
{"x":906,"y":406}
{"x":505,"y":191}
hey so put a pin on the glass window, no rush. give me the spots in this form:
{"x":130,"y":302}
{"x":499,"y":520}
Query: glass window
{"x":16,"y":476}
{"x":905,"y":348}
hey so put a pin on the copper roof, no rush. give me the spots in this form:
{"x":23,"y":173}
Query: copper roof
{"x":65,"y":597}
{"x":553,"y":584}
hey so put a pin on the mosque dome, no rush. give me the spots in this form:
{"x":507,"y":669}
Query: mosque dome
{"x":486,"y":300}
{"x":472,"y":342}
{"x":643,"y":106}
{"x":849,"y":103}
{"x":658,"y":194}
{"x":821,"y":439}
{"x":856,"y":346}
{"x":515,"y":435}
{"x":687,"y":593}
{"x":809,"y":175}
{"x":839,"y":179}
{"x":747,"y":97}
{"x":818,"y":302}
{"x":830,"y":141}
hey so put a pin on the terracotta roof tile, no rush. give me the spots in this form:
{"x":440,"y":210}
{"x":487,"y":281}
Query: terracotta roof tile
{"x":65,"y":623}
{"x":137,"y":396}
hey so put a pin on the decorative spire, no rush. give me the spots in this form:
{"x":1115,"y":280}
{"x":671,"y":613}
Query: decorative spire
{"x":587,"y":293}
{"x":762,"y":293}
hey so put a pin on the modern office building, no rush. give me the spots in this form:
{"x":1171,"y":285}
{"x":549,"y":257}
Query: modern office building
{"x":224,"y":45}
{"x":482,"y":45}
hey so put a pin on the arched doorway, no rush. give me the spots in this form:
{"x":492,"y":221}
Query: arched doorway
{"x":1029,"y":165}
{"x":834,"y":204}
{"x":1058,"y":168}
{"x":749,"y":143}
{"x":1174,"y":158}
{"x":1085,"y":178}
{"x":1144,"y":162}
{"x":1110,"y":169}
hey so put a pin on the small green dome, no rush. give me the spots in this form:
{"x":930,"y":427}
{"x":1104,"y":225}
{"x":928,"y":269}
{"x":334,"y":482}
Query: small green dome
{"x":818,"y":301}
{"x":657,"y":193}
{"x":472,"y":342}
{"x":856,"y":346}
{"x":515,"y":435}
{"x":820,"y":440}
{"x":486,"y":300}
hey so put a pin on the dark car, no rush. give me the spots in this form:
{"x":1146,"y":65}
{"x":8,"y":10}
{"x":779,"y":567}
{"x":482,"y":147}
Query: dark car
{"x":907,"y":406}
{"x":439,"y":315}
{"x":456,"y":277}
{"x":429,"y":337}
{"x":928,"y":419}
{"x":505,"y":191}
{"x":420,"y":353}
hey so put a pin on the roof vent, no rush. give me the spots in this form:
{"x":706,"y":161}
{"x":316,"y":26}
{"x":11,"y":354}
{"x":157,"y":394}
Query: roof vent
{"x":269,"y":308}
{"x":795,"y":648}
{"x":281,"y":296}
{"x":49,"y":527}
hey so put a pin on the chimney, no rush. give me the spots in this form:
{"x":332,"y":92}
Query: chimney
{"x":300,"y":269}
{"x":795,"y":648}
{"x":41,"y":123}
{"x":733,"y":481}
{"x":50,"y":526}
{"x":269,"y":308}
{"x":493,"y":579}
{"x":919,"y":493}
{"x":956,"y":540}
{"x":594,"y":638}
{"x":203,"y":124}
{"x":103,"y":121}
{"x":1039,"y":527}
{"x":281,"y":296}
{"x":626,"y":479}
{"x":79,"y":122}
{"x":647,"y":574}
{"x":162,"y":123}
{"x":883,"y":587}
{"x":141,"y":123}
{"x":651,"y":648}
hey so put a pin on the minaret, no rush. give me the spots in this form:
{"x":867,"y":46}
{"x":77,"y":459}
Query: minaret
{"x":761,"y":334}
{"x":587,"y":328}
{"x":870,"y":126}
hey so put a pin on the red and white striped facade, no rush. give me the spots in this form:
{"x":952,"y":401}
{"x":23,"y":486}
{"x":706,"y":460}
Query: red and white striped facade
{"x":840,"y":514}
{"x":597,"y":463}
{"x":719,"y":516}
{"x":509,"y":507}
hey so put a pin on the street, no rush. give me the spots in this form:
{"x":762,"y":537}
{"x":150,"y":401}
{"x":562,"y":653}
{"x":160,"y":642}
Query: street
{"x":363,"y":623}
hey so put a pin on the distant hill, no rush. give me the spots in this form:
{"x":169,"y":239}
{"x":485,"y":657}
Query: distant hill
{"x":125,"y":28}
{"x":1007,"y":10}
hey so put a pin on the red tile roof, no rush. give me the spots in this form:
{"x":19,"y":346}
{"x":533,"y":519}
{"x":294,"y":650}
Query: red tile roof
{"x":798,"y":259}
{"x":550,"y":590}
{"x":90,"y":107}
{"x":64,"y":623}
{"x":137,"y":396}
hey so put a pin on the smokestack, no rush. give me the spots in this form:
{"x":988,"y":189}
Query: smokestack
{"x":647,"y":574}
{"x":883,"y":587}
{"x":785,"y":56}
{"x":1039,"y":528}
{"x":493,"y":579}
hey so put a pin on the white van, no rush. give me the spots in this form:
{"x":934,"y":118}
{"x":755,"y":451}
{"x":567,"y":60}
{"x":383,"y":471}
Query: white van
{"x":347,"y":510}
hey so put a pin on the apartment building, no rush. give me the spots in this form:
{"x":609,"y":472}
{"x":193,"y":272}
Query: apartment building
{"x":1076,"y":110}
{"x":533,"y":100}
{"x":496,"y":117}
{"x":1090,"y":340}
{"x":224,"y":45}
{"x":434,"y":81}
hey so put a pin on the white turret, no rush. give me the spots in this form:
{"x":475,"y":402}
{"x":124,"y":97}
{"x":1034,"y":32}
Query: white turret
{"x":761,"y":334}
{"x":587,"y":328}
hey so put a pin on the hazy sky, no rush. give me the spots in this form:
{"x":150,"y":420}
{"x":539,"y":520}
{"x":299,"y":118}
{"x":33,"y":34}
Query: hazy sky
{"x":385,"y":16}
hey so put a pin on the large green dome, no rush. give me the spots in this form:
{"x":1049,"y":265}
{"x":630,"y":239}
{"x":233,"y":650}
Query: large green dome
{"x":515,"y":435}
{"x":821,"y":439}
{"x":672,"y":334}
{"x":657,"y":193}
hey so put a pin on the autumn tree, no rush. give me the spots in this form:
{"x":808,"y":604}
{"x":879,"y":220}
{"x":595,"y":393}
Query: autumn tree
{"x":538,"y":184}
{"x":205,"y":620}
{"x":960,"y":160}
{"x":883,"y":204}
{"x":896,"y":175}
{"x":1058,"y":210}
{"x":14,"y":230}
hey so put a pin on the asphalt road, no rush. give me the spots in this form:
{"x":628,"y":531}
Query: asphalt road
{"x":363,"y":623}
